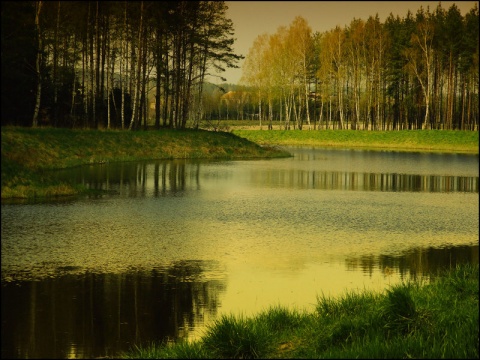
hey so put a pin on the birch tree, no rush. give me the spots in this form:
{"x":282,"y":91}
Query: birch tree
{"x":325,"y":76}
{"x":302,"y":46}
{"x":254,"y":70}
{"x":136,"y":94}
{"x":333,"y":63}
{"x":420,"y":57}
{"x":355,"y":47}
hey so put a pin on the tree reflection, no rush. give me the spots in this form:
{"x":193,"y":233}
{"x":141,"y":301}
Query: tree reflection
{"x":104,"y":314}
{"x":416,"y":263}
{"x":133,"y":179}
{"x":167,"y":177}
{"x":339,"y":180}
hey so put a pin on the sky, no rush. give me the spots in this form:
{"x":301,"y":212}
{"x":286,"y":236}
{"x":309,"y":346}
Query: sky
{"x":254,"y":18}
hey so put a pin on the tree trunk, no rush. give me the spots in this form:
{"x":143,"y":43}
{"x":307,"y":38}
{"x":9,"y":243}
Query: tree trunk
{"x":187,"y":92}
{"x":85,"y":80}
{"x":138,"y":75}
{"x":464,"y":94}
{"x":123,"y":56}
{"x":55,"y":67}
{"x":38,"y":64}
{"x":144,"y":83}
{"x":92,"y":77}
{"x":260,"y":110}
{"x":108,"y":86}
{"x":158,"y":84}
{"x":72,"y":107}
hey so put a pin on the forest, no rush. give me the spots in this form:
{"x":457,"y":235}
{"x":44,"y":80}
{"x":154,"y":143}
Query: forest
{"x":97,"y":64}
{"x":415,"y":72}
{"x":132,"y":65}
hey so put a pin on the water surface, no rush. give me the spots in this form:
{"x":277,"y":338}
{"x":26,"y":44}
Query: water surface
{"x":173,"y":244}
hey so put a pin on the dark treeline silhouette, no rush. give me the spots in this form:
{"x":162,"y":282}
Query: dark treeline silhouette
{"x":94,"y":64}
{"x":129,"y":65}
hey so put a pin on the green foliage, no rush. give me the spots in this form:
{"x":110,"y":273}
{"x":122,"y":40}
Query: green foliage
{"x":379,"y":68}
{"x":399,"y":311}
{"x":374,"y":75}
{"x":279,"y":318}
{"x":238,"y":338}
{"x":179,"y":350}
{"x":56,"y":31}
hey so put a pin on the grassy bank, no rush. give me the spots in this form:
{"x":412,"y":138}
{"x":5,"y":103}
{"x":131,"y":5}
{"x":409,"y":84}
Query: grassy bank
{"x":405,"y":140}
{"x":28,"y":154}
{"x":412,"y":320}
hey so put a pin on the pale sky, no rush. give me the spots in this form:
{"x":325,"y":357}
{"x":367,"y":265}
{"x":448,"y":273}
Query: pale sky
{"x":253,"y":18}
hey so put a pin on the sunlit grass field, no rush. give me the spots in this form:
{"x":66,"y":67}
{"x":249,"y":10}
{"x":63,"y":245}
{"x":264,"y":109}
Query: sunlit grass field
{"x":403,"y":140}
{"x":437,"y":320}
{"x":456,"y":141}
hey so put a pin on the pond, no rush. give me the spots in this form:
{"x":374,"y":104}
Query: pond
{"x":171,"y":245}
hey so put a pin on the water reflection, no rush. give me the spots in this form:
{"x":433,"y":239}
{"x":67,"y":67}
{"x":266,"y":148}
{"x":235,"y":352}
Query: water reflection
{"x":337,"y":180}
{"x":162,"y":178}
{"x":90,"y":315}
{"x":97,"y":315}
{"x":415,"y":264}
{"x":159,"y":178}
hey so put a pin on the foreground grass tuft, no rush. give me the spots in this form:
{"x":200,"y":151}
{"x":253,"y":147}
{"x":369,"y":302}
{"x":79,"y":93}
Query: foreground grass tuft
{"x":179,"y":350}
{"x":412,"y":320}
{"x":238,"y":338}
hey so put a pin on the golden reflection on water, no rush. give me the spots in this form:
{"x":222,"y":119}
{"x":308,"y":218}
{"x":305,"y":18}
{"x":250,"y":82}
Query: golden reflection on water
{"x":252,"y":289}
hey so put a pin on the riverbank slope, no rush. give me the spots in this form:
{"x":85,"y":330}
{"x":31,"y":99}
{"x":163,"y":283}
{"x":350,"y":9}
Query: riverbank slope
{"x":28,"y":154}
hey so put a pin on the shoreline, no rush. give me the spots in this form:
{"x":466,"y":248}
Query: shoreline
{"x":27,"y":153}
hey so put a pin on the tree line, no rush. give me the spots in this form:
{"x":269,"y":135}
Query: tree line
{"x":125,"y":64}
{"x":93,"y":64}
{"x":415,"y":72}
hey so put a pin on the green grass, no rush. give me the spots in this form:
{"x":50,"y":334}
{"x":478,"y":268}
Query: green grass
{"x":28,"y":154}
{"x":404,"y":140}
{"x":411,"y":320}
